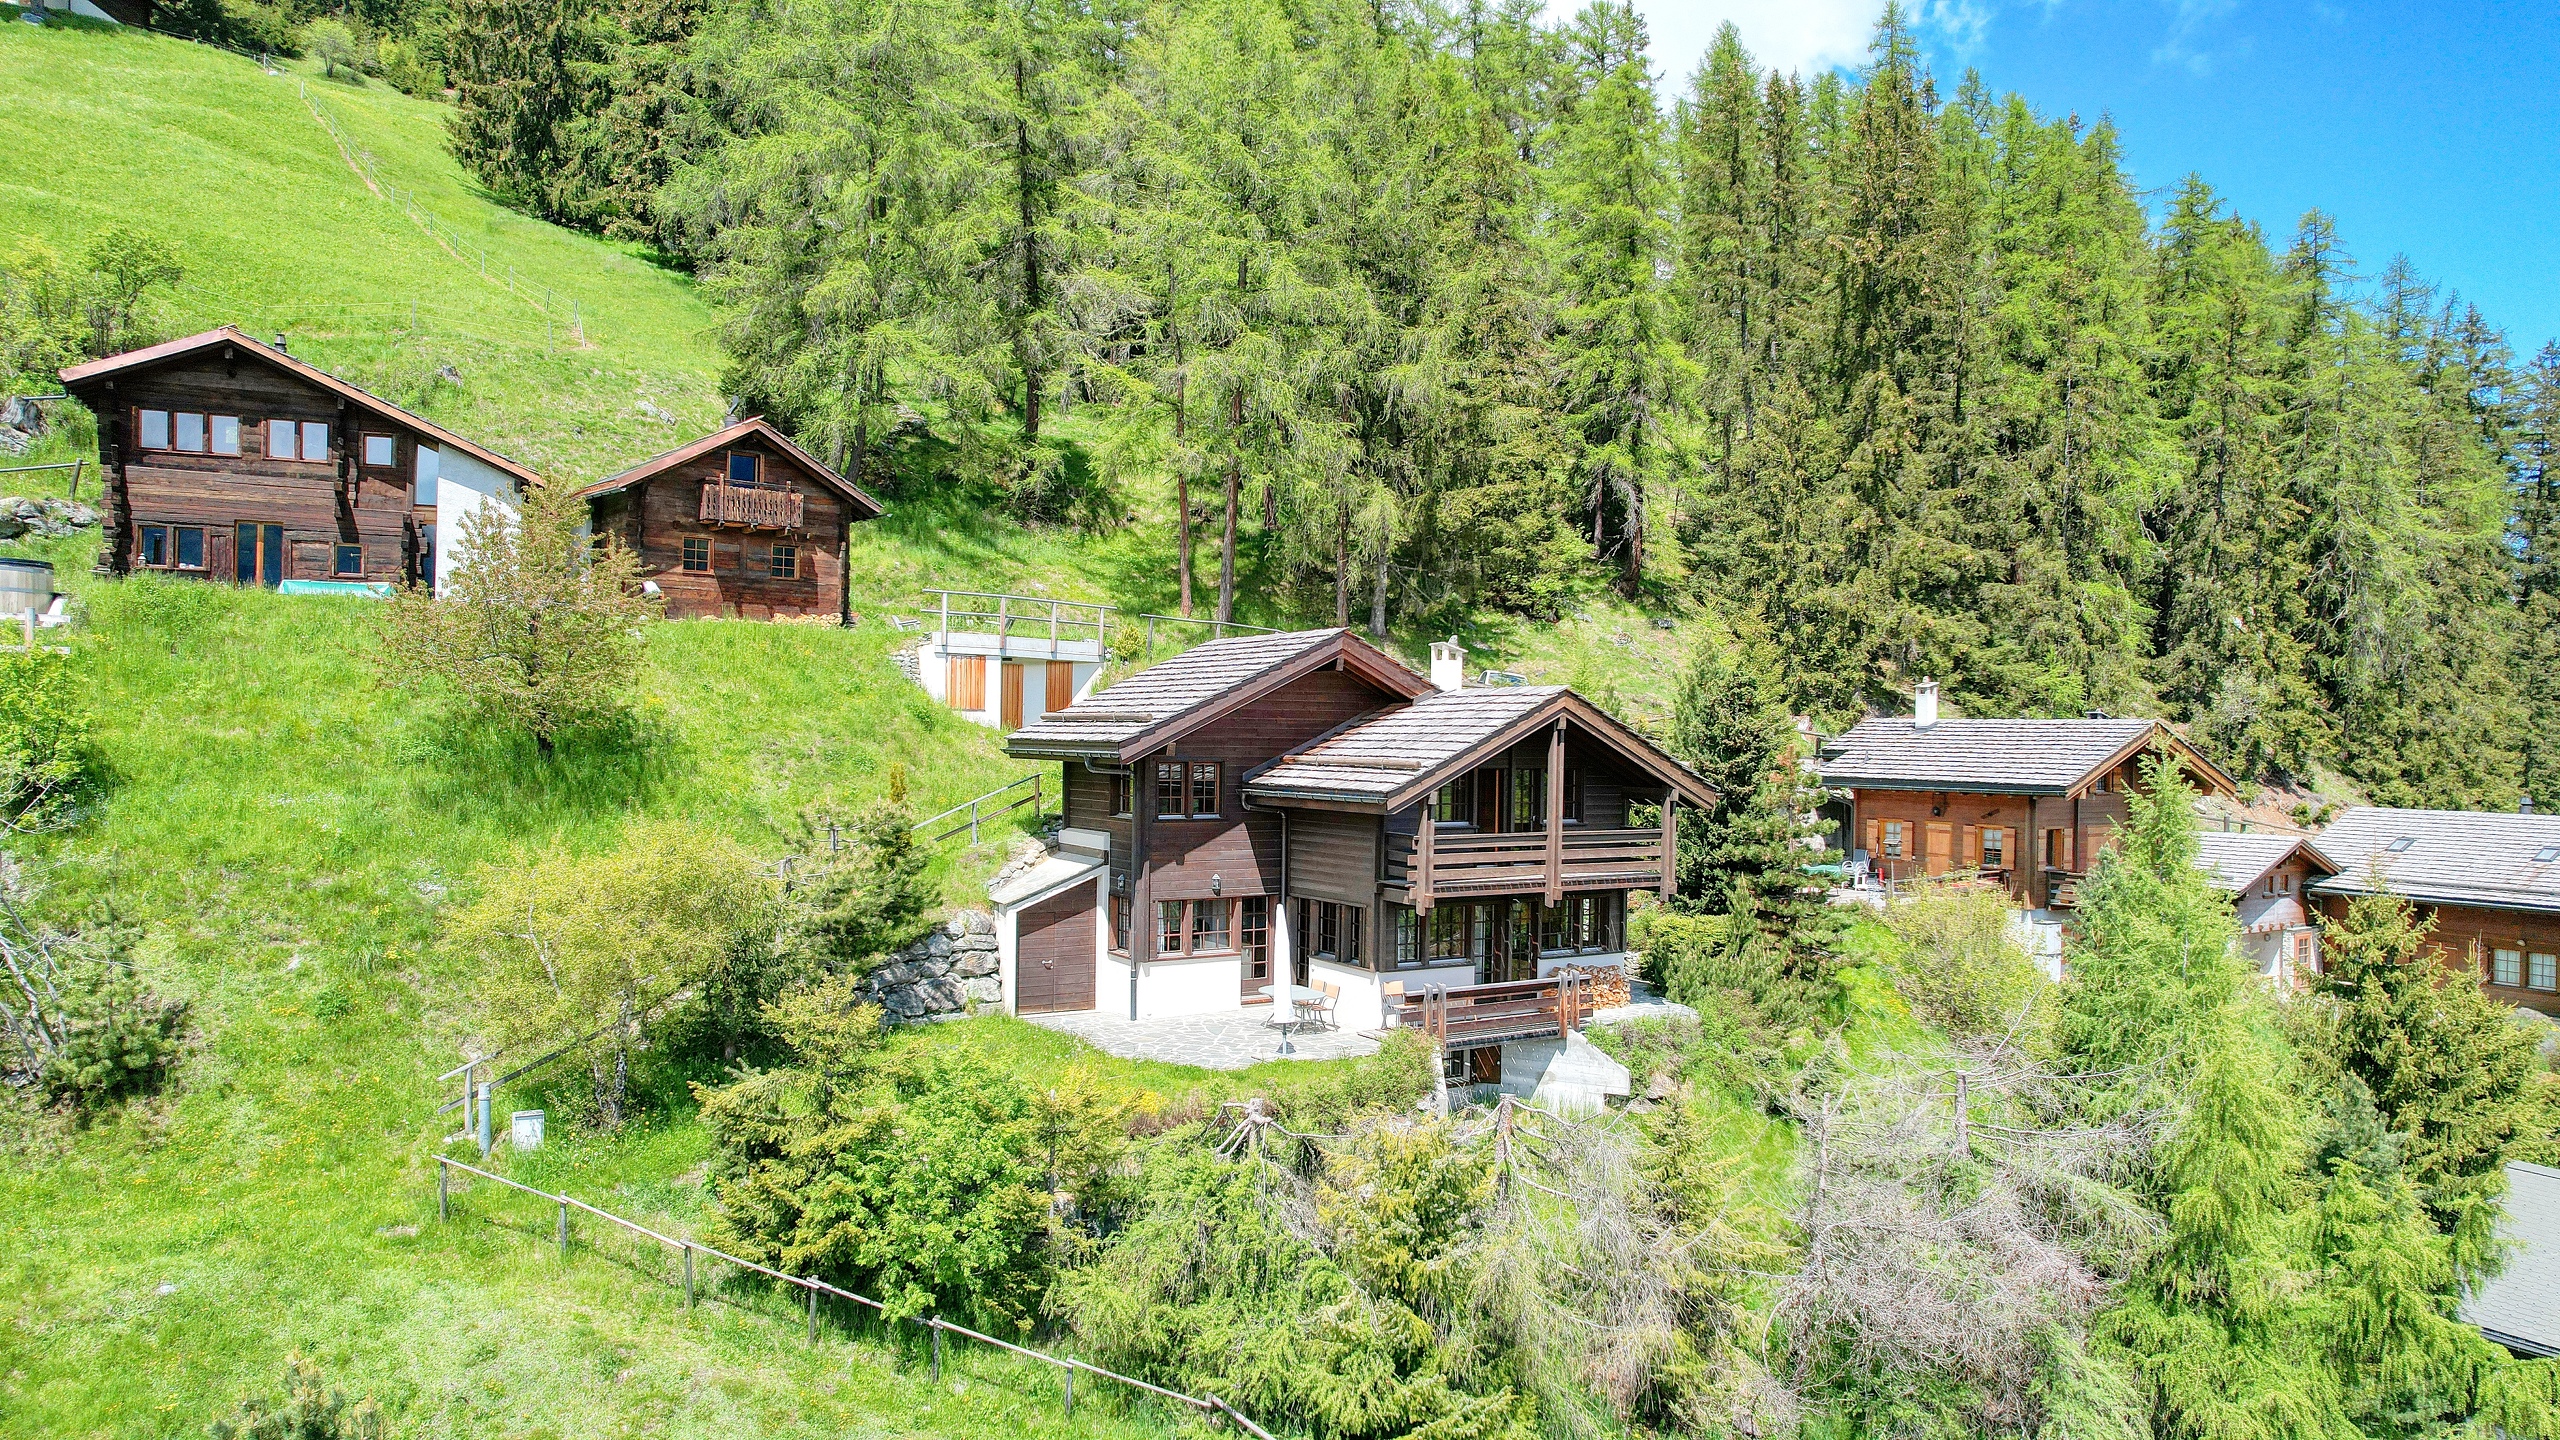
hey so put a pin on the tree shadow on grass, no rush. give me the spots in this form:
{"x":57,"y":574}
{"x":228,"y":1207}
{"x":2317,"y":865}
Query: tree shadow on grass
{"x":501,"y":778}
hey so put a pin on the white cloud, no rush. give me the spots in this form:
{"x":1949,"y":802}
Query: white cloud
{"x":1801,"y":36}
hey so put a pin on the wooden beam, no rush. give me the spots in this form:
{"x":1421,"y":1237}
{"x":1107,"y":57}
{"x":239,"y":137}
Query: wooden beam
{"x":1670,"y":838}
{"x":1555,"y":813}
{"x":1420,"y":882}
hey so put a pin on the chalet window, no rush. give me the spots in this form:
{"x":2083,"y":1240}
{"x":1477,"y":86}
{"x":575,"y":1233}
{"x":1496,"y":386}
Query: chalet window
{"x":743,"y":469}
{"x":1347,"y":937}
{"x":1208,"y":925}
{"x":1454,"y":803}
{"x":187,"y":432}
{"x":424,"y":464}
{"x":1204,"y":789}
{"x":2506,"y":967}
{"x":1528,"y":798}
{"x":1995,"y":849}
{"x":155,"y":544}
{"x":2542,"y":972}
{"x":1171,"y":791}
{"x":1121,"y":786}
{"x":1330,"y":931}
{"x":1893,"y":839}
{"x":350,"y":560}
{"x":151,"y":429}
{"x":381,"y":451}
{"x":1120,"y":924}
{"x":783,"y":563}
{"x":1405,"y":938}
{"x":189,"y":543}
{"x":1573,"y":796}
{"x":1169,"y":917}
{"x":1253,"y":935}
{"x":280,"y":439}
{"x":315,"y":440}
{"x":697,"y":554}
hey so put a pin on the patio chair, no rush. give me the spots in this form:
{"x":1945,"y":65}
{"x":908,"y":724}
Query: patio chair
{"x":1391,"y":1002}
{"x":1323,"y":1009}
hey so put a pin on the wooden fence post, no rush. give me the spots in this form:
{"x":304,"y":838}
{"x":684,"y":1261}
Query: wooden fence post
{"x":936,"y":1323}
{"x":1071,"y":1384}
{"x":564,"y":1229}
{"x":813,"y":1314}
{"x":688,"y":1275}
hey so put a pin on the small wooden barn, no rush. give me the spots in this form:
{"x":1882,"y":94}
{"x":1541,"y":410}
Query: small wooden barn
{"x":742,"y":523}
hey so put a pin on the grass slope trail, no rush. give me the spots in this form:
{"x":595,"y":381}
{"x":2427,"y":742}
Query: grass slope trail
{"x":287,"y":830}
{"x":280,"y":233}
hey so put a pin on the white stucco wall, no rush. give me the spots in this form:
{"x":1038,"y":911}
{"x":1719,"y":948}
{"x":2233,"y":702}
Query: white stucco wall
{"x":1189,"y":985}
{"x":933,"y":671}
{"x":464,"y":487}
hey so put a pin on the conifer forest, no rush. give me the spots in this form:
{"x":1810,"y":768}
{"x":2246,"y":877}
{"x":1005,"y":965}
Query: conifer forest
{"x":1442,"y":308}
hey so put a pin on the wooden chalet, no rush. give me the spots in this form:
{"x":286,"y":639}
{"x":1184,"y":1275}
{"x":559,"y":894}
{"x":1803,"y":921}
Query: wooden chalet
{"x":2269,"y":879}
{"x":2490,"y":881}
{"x":742,"y":523}
{"x":1300,"y":808}
{"x":227,"y":458}
{"x":2027,"y":804}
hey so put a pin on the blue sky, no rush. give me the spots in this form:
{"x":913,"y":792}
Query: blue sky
{"x":2430,"y":129}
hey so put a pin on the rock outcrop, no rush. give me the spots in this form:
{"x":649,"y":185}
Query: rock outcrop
{"x":951,"y":972}
{"x":46,"y":519}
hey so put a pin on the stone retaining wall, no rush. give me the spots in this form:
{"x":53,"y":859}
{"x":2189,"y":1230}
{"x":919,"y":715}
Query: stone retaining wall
{"x":951,"y":972}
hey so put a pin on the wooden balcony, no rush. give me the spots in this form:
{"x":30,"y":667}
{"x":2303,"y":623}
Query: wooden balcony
{"x":1466,"y":1017}
{"x":753,"y":509}
{"x":1469,"y":865}
{"x":2062,"y":888}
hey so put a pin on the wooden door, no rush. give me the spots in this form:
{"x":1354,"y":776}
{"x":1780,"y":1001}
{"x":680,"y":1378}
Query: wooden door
{"x":1053,"y":968}
{"x":1941,"y":840}
{"x":1062,"y":686}
{"x":966,"y":687}
{"x":1012,"y":694}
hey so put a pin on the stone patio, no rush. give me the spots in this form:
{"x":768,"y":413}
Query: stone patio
{"x":1230,"y":1040}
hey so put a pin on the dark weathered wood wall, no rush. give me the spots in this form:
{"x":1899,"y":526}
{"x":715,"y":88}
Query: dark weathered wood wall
{"x":656,"y":516}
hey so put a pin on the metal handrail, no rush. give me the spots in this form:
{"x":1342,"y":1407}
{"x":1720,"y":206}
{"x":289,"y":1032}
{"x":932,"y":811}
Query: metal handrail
{"x":1037,"y":799}
{"x":934,"y":1324}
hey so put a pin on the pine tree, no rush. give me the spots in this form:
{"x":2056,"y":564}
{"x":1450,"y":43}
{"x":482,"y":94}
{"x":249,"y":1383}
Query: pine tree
{"x":1745,"y":855}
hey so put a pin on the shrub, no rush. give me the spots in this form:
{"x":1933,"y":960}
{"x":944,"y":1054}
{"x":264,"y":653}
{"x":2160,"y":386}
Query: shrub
{"x":310,"y":1410}
{"x":117,"y":1037}
{"x":1953,"y":958}
{"x":44,"y":737}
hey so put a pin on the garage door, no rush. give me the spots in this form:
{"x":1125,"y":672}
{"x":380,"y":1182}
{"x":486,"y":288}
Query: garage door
{"x":1055,"y":966}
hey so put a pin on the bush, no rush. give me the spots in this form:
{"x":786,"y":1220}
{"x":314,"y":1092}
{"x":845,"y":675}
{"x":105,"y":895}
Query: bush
{"x":337,"y":47}
{"x":411,"y":69}
{"x":1953,"y":958}
{"x":44,"y":737}
{"x":251,"y":25}
{"x":310,"y":1411}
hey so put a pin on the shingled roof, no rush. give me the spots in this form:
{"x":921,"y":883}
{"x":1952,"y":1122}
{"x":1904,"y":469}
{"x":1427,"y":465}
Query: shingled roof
{"x":1999,"y":757}
{"x":1390,"y":759}
{"x":2235,"y":861}
{"x":2520,"y":1306}
{"x":1146,"y":710}
{"x":2452,"y":857}
{"x":755,"y":426}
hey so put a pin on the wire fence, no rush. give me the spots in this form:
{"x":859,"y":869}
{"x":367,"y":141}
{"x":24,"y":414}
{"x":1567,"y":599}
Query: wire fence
{"x":933,"y":1325}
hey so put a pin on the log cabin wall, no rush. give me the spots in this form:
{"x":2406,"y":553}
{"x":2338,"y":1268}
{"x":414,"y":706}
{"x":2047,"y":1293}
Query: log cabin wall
{"x":2469,"y":937}
{"x":200,"y":489}
{"x":658,"y":515}
{"x":1964,"y":817}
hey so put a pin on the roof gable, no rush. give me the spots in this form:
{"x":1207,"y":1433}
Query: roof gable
{"x":1399,"y":756}
{"x":2463,"y":857}
{"x":171,"y":351}
{"x":2003,"y":757}
{"x":754,"y":427}
{"x":1144,"y":712}
{"x":2235,"y":861}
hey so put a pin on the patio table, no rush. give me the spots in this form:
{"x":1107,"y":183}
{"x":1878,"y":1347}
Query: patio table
{"x":1298,"y":998}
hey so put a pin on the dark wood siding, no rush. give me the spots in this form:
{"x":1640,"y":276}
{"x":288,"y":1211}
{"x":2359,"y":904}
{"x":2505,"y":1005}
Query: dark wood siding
{"x":320,"y":504}
{"x":2469,"y":936}
{"x":1054,"y":954}
{"x":1334,"y":856}
{"x":669,"y":511}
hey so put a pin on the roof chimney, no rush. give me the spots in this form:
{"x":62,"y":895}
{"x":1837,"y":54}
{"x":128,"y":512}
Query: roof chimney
{"x":2524,"y":805}
{"x":1924,"y":706}
{"x":1448,"y":664}
{"x":280,"y":343}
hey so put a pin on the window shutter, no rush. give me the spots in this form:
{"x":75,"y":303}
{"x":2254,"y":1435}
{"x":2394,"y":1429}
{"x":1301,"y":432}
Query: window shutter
{"x":1875,"y":837}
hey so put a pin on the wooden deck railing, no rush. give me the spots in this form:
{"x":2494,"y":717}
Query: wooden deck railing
{"x":1474,"y":865}
{"x":1469,"y":1016}
{"x":754,"y":509}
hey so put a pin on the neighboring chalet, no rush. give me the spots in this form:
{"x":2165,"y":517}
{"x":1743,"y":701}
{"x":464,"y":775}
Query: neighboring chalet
{"x":227,"y":458}
{"x":1006,"y":660}
{"x":2491,"y":882}
{"x":2270,"y":879}
{"x":2025,"y":803}
{"x":743,"y":524}
{"x":2519,"y":1307}
{"x":1300,"y":808}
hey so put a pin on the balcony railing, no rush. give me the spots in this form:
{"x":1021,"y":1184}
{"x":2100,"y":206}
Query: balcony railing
{"x":1468,"y":865}
{"x":754,"y":509}
{"x":1467,"y":1016}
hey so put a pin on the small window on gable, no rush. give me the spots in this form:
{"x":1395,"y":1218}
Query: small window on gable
{"x":280,"y":439}
{"x":381,"y":451}
{"x":743,"y":468}
{"x":155,"y":429}
{"x":315,"y":440}
{"x":187,"y":432}
{"x":225,"y":434}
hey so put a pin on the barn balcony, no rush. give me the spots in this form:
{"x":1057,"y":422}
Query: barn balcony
{"x":754,"y":509}
{"x":1455,"y":866}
